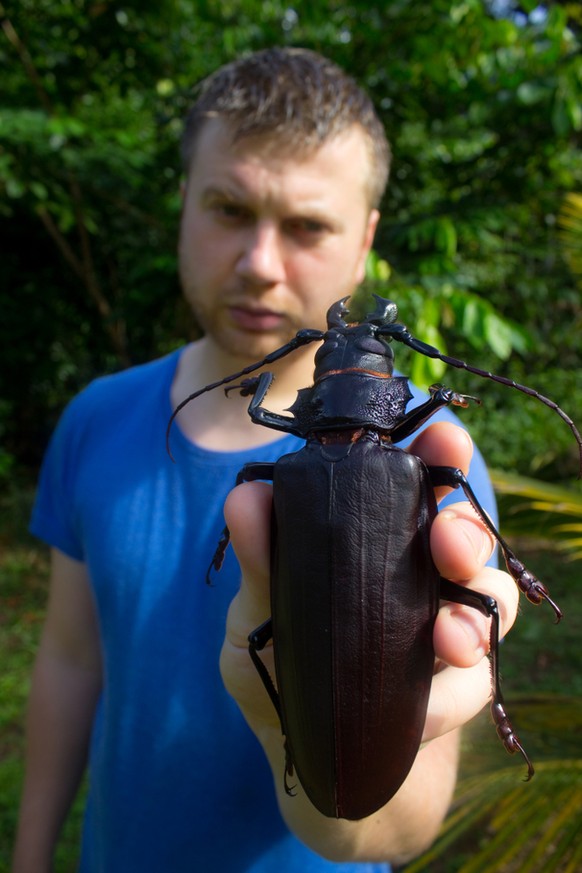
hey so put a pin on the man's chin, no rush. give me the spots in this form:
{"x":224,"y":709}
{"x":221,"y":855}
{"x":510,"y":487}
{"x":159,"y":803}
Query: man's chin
{"x":251,"y":345}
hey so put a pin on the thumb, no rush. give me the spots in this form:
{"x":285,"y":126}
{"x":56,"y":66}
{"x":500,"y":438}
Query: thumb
{"x":248,"y":515}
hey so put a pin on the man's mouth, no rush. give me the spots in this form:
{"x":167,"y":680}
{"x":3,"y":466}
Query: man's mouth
{"x":258,"y":319}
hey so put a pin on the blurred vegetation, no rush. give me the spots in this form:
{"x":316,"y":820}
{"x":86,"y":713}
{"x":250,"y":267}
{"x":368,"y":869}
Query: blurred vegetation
{"x":499,"y":823}
{"x":482,"y":103}
{"x":479,"y":245}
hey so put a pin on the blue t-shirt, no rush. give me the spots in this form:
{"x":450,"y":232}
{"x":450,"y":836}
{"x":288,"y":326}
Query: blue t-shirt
{"x":178,"y":782}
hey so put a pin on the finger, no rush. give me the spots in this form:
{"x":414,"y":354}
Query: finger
{"x":461,"y":638}
{"x":460,"y":543}
{"x":456,"y":696}
{"x":443,"y":444}
{"x":461,"y":634}
{"x":248,"y":512}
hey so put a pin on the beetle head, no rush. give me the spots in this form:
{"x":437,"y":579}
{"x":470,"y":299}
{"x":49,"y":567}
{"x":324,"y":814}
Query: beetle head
{"x":356,"y":347}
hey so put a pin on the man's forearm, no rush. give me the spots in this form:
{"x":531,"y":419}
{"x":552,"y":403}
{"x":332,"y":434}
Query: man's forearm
{"x":61,"y":706}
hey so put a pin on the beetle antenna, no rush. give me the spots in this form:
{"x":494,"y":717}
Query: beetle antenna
{"x":301,"y":338}
{"x":525,"y":390}
{"x":400,"y":333}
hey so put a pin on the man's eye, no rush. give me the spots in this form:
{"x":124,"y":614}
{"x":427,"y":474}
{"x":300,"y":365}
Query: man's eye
{"x":306,"y":227}
{"x":231,"y":211}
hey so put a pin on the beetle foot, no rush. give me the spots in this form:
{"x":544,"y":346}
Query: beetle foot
{"x":452,"y":397}
{"x":530,"y":585}
{"x":508,"y":737}
{"x":463,"y":400}
{"x":219,"y":554}
{"x":289,"y":770}
{"x":218,"y":559}
{"x":247,"y":387}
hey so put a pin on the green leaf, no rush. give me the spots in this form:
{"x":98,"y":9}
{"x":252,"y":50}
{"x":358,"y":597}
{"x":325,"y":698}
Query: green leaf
{"x":499,"y":335}
{"x":535,"y":506}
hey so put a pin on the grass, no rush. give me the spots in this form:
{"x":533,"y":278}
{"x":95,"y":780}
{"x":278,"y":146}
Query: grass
{"x":541,"y":666}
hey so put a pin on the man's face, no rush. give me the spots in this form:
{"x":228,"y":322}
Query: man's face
{"x":269,"y":240}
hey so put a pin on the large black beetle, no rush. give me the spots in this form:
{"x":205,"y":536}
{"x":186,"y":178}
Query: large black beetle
{"x":354,"y":590}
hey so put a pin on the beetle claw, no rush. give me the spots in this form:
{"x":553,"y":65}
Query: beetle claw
{"x":508,"y":737}
{"x":289,"y":789}
{"x":555,"y":607}
{"x":289,"y":771}
{"x":247,"y":387}
{"x":530,"y":585}
{"x":463,"y":400}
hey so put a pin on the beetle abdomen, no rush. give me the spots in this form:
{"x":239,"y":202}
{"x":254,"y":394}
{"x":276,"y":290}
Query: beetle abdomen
{"x":357,"y":593}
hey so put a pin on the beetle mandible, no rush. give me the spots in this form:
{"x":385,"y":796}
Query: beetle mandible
{"x":354,"y":590}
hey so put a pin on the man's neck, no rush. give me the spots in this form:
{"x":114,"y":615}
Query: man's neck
{"x":214,"y":421}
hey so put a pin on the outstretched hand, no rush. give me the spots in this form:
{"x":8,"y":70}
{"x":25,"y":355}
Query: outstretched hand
{"x":461,"y":546}
{"x":461,"y":686}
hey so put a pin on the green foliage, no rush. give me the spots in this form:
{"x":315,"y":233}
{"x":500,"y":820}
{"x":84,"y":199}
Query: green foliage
{"x":480,"y":324}
{"x":542,"y":511}
{"x":518,"y":434}
{"x":483,"y":111}
{"x":570,"y":230}
{"x":524,"y":832}
{"x":541,"y":669}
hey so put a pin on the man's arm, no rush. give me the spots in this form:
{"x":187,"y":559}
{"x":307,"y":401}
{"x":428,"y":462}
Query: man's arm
{"x":461,"y":546}
{"x":65,"y":686}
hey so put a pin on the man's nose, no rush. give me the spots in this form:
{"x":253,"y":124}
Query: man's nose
{"x":262,"y":259}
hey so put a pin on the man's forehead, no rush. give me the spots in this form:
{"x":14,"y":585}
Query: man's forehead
{"x":219,"y":132}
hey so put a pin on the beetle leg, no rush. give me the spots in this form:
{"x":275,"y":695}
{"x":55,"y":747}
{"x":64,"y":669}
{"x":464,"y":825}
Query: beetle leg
{"x":260,"y":415}
{"x":258,"y":639}
{"x":530,"y":585}
{"x":302,"y":337}
{"x":488,"y":606}
{"x":439,"y":396}
{"x":400,"y":333}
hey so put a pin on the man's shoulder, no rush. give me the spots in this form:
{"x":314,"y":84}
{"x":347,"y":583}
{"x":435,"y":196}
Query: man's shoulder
{"x":128,"y":386}
{"x":110,"y":402}
{"x":133,"y":378}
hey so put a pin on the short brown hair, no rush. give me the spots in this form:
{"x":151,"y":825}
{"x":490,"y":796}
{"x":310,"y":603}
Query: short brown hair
{"x":297,"y":96}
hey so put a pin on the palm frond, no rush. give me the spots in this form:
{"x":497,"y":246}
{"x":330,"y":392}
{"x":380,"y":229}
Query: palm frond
{"x":529,"y":507}
{"x":524,"y":828}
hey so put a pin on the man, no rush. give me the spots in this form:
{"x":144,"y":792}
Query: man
{"x":285,"y":164}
